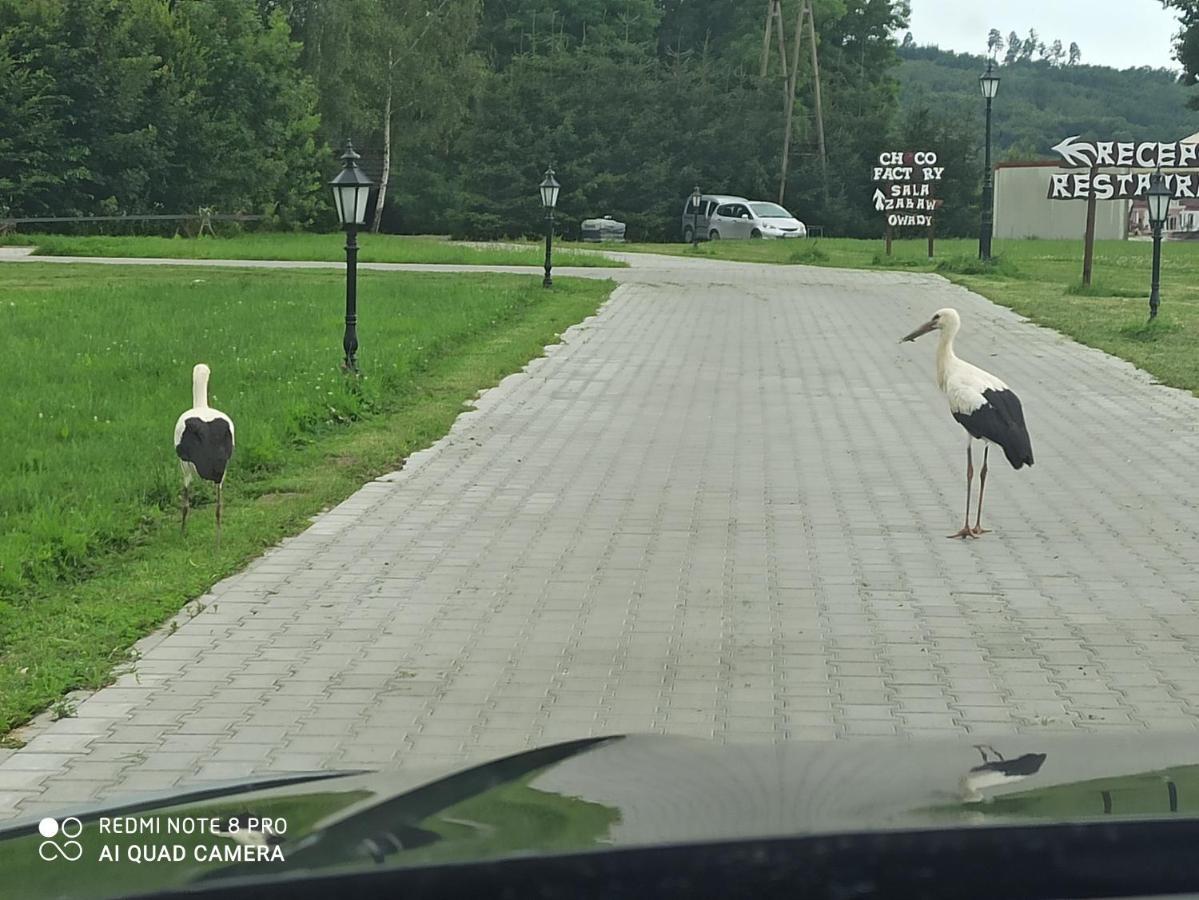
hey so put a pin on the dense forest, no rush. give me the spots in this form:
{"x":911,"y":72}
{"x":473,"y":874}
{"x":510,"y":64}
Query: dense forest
{"x":139,"y":106}
{"x":1040,"y":101}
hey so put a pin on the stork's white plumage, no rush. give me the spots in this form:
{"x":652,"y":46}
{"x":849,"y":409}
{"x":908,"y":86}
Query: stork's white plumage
{"x":204,"y":444}
{"x":997,"y":772}
{"x":987,"y":408}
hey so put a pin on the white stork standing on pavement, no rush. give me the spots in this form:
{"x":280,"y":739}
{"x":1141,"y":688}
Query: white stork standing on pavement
{"x":986,"y":407}
{"x":204,"y":443}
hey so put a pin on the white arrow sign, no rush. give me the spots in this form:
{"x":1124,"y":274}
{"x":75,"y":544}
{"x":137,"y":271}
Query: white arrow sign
{"x":1141,"y":154}
{"x":1076,"y":154}
{"x":879,"y":200}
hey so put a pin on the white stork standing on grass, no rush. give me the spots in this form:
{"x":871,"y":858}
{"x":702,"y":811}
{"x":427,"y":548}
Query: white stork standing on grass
{"x":204,"y":443}
{"x":986,"y":407}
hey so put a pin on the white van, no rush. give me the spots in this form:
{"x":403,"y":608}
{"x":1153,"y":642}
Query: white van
{"x":724,"y":217}
{"x":708,"y":204}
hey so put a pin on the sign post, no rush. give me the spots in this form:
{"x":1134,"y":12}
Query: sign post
{"x":1080,"y":185}
{"x":905,"y":194}
{"x":1093,"y":185}
{"x":1088,"y":238}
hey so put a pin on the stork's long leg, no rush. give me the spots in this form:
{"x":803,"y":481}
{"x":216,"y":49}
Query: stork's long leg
{"x":186,"y":502}
{"x":966,"y":532}
{"x":982,"y":486}
{"x":220,"y":506}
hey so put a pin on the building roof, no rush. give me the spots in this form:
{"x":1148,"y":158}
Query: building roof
{"x":1030,"y":164}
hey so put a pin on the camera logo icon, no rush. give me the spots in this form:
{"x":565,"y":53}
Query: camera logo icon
{"x":60,"y":840}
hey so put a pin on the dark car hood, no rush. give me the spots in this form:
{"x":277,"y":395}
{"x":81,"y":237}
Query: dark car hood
{"x":617,"y":792}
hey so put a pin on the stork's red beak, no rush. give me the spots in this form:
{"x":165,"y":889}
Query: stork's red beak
{"x":923,"y":329}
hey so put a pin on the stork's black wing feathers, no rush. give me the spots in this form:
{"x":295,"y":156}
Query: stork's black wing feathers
{"x":1020,"y":767}
{"x":208,"y":446}
{"x":1000,"y":420}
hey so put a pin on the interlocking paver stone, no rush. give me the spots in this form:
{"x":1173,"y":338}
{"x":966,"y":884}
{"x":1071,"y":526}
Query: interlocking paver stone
{"x":717,"y":509}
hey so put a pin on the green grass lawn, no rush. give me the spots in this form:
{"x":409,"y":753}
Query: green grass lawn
{"x":1061,"y":259}
{"x":98,"y":367}
{"x":388,"y":248}
{"x":1038,"y":279}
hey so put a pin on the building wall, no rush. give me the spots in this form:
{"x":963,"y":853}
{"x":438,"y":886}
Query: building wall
{"x":1023,"y":209}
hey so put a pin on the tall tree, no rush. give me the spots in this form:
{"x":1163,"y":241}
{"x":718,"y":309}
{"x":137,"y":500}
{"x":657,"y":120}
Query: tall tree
{"x":150,"y":105}
{"x":247,"y":117}
{"x":1014,"y":46}
{"x":510,"y":28}
{"x":994,"y":41}
{"x":1075,"y":55}
{"x":396,"y":74}
{"x":419,"y":65}
{"x":1029,"y":46}
{"x":1186,"y":42}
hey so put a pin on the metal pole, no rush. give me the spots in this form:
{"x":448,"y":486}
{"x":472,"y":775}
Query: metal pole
{"x":984,"y":237}
{"x":695,"y":227}
{"x":1155,"y":288}
{"x":350,"y":341}
{"x":549,"y":246}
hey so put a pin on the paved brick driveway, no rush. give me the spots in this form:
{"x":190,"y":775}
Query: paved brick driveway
{"x":717,"y":509}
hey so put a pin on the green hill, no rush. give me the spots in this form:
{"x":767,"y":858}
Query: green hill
{"x":1039,"y":104}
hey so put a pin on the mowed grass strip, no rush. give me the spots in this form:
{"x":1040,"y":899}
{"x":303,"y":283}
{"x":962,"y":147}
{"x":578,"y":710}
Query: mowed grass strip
{"x":386,"y":248}
{"x":98,"y":367}
{"x":1113,"y":313}
{"x":1061,"y":259}
{"x":1038,"y":279}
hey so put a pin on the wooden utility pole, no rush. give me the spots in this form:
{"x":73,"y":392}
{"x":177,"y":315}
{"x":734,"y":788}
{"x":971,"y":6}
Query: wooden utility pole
{"x":819,"y":110}
{"x":770,"y":4}
{"x":791,"y":80}
{"x":774,"y":14}
{"x":790,"y":110}
{"x":1088,"y":238}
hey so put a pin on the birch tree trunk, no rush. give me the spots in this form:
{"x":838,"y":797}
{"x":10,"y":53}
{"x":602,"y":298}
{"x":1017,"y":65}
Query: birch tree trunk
{"x":386,"y":174}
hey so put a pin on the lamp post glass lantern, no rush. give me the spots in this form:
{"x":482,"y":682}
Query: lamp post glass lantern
{"x":989,"y":85}
{"x":1157,"y":198}
{"x":696,"y":196}
{"x":549,"y":189}
{"x":351,"y":191}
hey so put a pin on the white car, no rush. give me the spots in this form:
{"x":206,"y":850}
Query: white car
{"x":753,"y":219}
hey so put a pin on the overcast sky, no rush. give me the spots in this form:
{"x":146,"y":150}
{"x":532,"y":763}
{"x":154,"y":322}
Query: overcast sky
{"x":1119,"y":33}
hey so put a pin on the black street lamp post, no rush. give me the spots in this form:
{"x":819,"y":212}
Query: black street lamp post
{"x":549,"y":188}
{"x":989,"y":85}
{"x":1158,"y":199}
{"x":696,"y":197}
{"x":351,"y":188}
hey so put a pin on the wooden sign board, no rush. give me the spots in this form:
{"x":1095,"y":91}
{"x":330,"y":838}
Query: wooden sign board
{"x":1093,"y":185}
{"x":1116,"y":185}
{"x":1078,"y":154}
{"x":907,"y":180}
